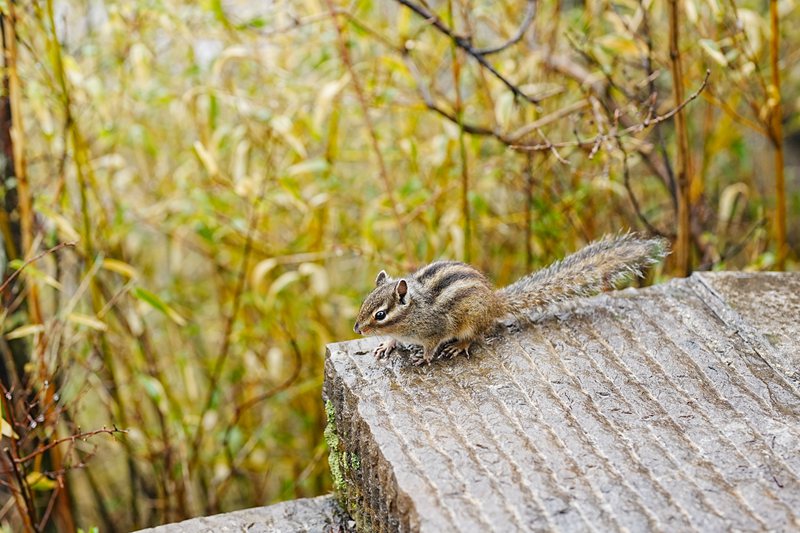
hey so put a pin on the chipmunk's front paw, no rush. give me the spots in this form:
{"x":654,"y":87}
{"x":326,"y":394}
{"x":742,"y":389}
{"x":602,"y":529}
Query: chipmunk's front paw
{"x":385,"y":348}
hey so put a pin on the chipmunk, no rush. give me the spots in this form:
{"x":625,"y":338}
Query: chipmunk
{"x":447,"y":306}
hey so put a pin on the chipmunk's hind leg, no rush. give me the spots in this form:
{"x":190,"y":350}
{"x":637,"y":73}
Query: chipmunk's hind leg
{"x":454,"y":347}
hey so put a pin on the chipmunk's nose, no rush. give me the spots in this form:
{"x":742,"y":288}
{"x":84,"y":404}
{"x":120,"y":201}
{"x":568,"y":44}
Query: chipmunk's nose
{"x":356,"y":329}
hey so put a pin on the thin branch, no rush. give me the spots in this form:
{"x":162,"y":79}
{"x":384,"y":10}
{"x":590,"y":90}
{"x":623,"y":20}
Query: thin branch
{"x":50,"y":506}
{"x":530,"y":14}
{"x":627,"y":180}
{"x":22,"y":496}
{"x":225,"y":349}
{"x":636,"y":128}
{"x":29,"y":517}
{"x":462,"y":148}
{"x":465,"y":45}
{"x":553,"y":149}
{"x":430,"y":103}
{"x":547,"y":119}
{"x":33,"y":260}
{"x":70,"y":438}
{"x":474,"y":129}
{"x":247,"y":404}
{"x":652,"y":75}
{"x":529,"y":181}
{"x":735,"y":249}
{"x":723,"y":104}
{"x":298,"y":365}
{"x":373,"y":136}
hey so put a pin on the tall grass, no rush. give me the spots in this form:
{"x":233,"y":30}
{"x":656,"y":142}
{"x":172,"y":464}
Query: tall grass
{"x":235,"y":173}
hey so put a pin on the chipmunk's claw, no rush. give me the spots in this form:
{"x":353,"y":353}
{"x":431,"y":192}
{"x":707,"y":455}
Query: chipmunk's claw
{"x":385,"y":348}
{"x":455,"y":348}
{"x":424,"y":358}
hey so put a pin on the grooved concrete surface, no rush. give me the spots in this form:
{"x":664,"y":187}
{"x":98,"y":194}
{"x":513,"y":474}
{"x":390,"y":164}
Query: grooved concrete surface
{"x":672,"y":408}
{"x":307,"y":514}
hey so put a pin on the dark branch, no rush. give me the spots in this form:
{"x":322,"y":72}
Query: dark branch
{"x":431,"y":104}
{"x":465,"y":45}
{"x":71,"y":438}
{"x":636,"y":207}
{"x":616,"y":133}
{"x":530,"y":13}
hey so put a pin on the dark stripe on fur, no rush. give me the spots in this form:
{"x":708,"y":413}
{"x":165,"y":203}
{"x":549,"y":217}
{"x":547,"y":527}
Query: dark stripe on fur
{"x":448,"y":279}
{"x":431,"y":270}
{"x":445,"y":307}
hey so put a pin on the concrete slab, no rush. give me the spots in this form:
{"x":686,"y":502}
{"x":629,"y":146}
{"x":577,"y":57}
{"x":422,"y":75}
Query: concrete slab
{"x":669,"y":408}
{"x":766,"y":303}
{"x":319,"y":514}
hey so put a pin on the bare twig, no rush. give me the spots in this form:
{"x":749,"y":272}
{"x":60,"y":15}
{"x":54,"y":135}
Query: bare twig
{"x":29,"y":515}
{"x":230,"y":320}
{"x":22,"y":494}
{"x":71,"y":438}
{"x":252,"y":402}
{"x":431,"y":104}
{"x":634,"y":202}
{"x":735,"y":249}
{"x":462,"y":148}
{"x":722,"y":103}
{"x":33,"y":260}
{"x":373,"y":136}
{"x":529,"y":182}
{"x":553,"y":148}
{"x":636,"y":128}
{"x":465,"y":45}
{"x":530,"y":14}
{"x":26,"y":213}
{"x":547,"y":119}
{"x":280,"y":387}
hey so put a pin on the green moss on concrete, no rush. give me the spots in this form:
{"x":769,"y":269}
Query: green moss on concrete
{"x":355,"y":461}
{"x":343,"y":465}
{"x":335,"y":459}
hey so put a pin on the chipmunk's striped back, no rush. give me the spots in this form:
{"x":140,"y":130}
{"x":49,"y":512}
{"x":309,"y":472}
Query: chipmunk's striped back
{"x":444,"y":282}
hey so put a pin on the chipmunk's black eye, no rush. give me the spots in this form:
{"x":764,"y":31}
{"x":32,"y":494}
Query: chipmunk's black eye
{"x":380,"y":315}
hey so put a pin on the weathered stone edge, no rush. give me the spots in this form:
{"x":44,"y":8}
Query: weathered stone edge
{"x":744,"y":329}
{"x":363,"y":479}
{"x":305,"y":514}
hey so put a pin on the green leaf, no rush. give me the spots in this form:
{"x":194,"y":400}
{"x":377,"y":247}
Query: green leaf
{"x":157,"y":303}
{"x":6,"y":430}
{"x":34,"y":273}
{"x":120,"y":267}
{"x":152,"y":387}
{"x":711,"y":48}
{"x":24,"y":331}
{"x":40,"y":482}
{"x":310,"y":166}
{"x":88,"y":321}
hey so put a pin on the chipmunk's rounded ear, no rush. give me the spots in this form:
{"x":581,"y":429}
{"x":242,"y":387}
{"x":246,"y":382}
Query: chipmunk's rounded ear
{"x":401,"y":289}
{"x":381,"y":279}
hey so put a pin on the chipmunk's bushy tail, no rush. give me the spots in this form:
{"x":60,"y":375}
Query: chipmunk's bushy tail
{"x":599,"y":266}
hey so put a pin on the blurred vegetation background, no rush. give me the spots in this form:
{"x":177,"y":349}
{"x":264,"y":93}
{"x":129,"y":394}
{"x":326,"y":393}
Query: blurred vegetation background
{"x":198,"y":194}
